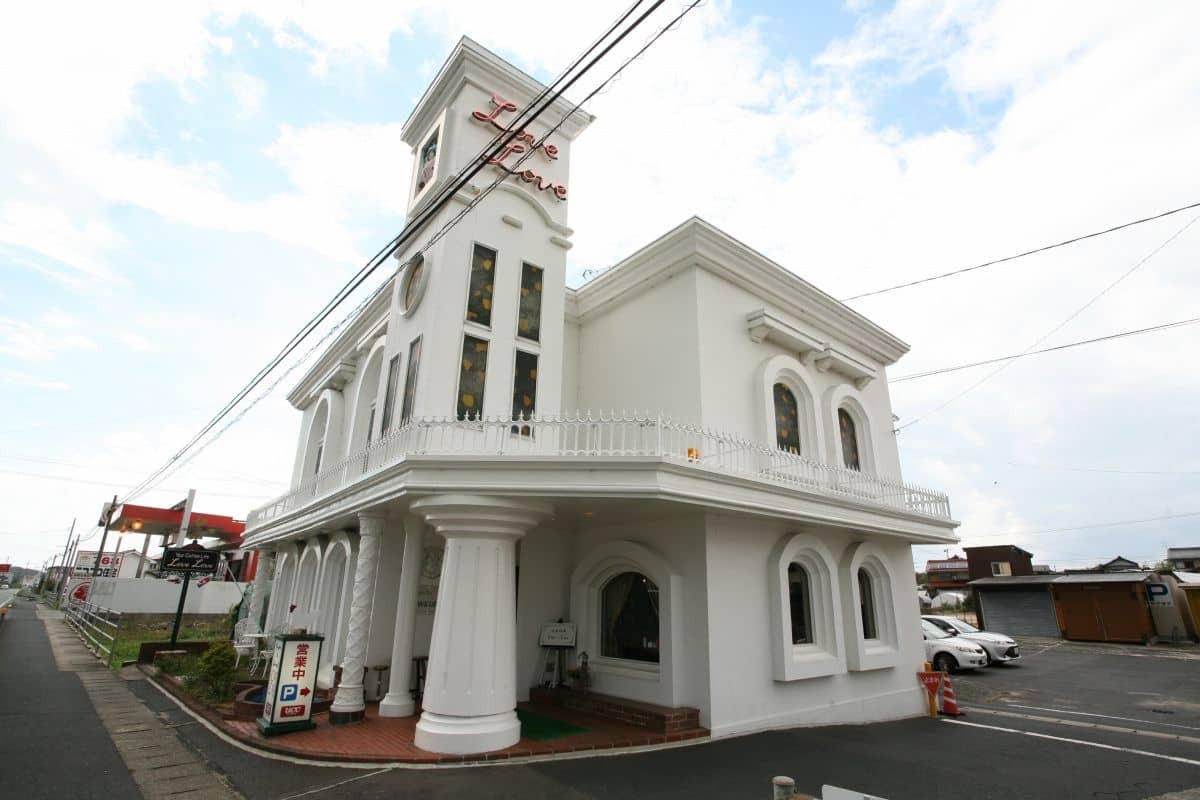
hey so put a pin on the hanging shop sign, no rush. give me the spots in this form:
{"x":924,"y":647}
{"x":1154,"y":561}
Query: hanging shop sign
{"x":521,"y":143}
{"x":191,"y":561}
{"x":292,"y":680}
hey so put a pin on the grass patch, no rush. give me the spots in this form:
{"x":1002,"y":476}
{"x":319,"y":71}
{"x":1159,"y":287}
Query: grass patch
{"x":157,"y":628}
{"x":542,"y":728}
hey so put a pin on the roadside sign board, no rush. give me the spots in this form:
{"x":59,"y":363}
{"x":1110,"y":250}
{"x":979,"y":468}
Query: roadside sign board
{"x":557,"y":634}
{"x":291,"y":682}
{"x":109,"y":566}
{"x":190,"y":561}
{"x":1159,"y":595}
{"x":931,"y":681}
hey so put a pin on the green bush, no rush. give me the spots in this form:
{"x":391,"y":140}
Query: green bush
{"x":215,"y":673}
{"x":179,"y":665}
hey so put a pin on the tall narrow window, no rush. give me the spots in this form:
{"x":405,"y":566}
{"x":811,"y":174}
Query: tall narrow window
{"x":524,"y":391}
{"x":479,"y":295}
{"x":866,"y":601}
{"x":410,"y":380}
{"x":472,"y":377}
{"x":787,"y":420}
{"x":389,"y":399}
{"x":629,"y":618}
{"x":529,"y":314}
{"x":849,"y":439}
{"x":317,"y":460}
{"x":800,"y":604}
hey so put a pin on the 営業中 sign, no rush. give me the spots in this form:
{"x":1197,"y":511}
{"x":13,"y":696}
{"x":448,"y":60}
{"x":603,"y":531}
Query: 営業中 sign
{"x":291,"y":683}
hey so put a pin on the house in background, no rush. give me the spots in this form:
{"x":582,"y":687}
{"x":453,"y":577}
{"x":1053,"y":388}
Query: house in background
{"x":1185,"y":558}
{"x":998,"y":561}
{"x":946,"y":575}
{"x":738,"y":550}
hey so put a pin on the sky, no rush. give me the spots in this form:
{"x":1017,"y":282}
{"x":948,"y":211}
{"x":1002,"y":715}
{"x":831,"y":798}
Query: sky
{"x":183,"y":184}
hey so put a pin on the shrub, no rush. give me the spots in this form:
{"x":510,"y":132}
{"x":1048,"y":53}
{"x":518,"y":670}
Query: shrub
{"x":214,"y":676}
{"x":179,"y":665}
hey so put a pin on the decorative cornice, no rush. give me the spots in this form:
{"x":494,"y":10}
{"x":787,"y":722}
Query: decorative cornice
{"x":469,"y":62}
{"x":336,"y":363}
{"x":698,"y":244}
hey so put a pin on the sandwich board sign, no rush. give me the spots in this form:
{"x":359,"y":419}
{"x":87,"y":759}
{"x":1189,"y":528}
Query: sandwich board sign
{"x":291,"y":682}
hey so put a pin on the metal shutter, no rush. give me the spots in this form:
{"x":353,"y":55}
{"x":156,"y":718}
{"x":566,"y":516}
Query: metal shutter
{"x":1019,"y":613}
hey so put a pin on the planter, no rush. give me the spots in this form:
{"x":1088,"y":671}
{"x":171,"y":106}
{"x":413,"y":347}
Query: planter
{"x":248,"y":703}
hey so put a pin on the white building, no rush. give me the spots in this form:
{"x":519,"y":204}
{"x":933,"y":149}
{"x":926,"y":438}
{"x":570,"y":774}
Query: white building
{"x":740,"y":544}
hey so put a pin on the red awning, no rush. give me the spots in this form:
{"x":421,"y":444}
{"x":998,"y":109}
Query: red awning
{"x":166,"y":521}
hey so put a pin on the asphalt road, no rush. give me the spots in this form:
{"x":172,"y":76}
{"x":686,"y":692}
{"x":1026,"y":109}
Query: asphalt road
{"x":983,"y":755}
{"x":54,"y":744}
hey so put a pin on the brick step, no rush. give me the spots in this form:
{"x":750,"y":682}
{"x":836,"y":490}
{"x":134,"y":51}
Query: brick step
{"x":661,"y":719}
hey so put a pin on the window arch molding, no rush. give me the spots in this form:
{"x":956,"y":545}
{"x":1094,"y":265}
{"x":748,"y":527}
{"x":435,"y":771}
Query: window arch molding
{"x":825,"y":655}
{"x":794,"y":375}
{"x":884,"y":650}
{"x":844,"y":397}
{"x":366,"y":395}
{"x":336,"y":584}
{"x":324,"y":432}
{"x":282,"y":585}
{"x":308,"y":575}
{"x":654,"y":683}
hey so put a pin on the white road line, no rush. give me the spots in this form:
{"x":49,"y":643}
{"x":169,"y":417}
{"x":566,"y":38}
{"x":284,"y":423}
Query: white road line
{"x":1099,"y":745}
{"x":339,"y":783}
{"x":1104,"y":716}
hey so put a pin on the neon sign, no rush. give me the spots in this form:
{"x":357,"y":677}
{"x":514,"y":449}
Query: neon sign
{"x":520,"y":144}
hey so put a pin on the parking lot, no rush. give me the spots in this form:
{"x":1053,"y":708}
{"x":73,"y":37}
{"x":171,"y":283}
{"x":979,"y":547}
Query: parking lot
{"x":1068,"y":721}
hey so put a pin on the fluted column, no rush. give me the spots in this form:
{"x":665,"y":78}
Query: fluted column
{"x":348,"y":704}
{"x":262,"y":575}
{"x":470,"y":691}
{"x":398,"y":702}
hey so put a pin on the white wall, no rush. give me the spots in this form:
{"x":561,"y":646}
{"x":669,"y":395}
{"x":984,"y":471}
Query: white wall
{"x":542,"y":596}
{"x":149,"y":596}
{"x":745,"y":695}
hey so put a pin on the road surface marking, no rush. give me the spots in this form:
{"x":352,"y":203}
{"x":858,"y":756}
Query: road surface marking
{"x":1079,"y":723}
{"x":1085,"y":743}
{"x":1105,"y":716}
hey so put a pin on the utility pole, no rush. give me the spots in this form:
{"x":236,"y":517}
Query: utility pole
{"x":106,"y":521}
{"x":187,"y":518}
{"x":66,"y":551}
{"x":69,"y":567}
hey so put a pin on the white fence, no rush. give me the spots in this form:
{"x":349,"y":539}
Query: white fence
{"x":154,"y":596}
{"x":630,"y":437}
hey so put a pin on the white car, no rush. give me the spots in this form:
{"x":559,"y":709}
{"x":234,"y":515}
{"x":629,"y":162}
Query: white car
{"x":950,"y":653}
{"x":999,"y":648}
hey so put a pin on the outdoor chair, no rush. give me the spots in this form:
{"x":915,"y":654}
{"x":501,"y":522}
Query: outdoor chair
{"x":243,"y":643}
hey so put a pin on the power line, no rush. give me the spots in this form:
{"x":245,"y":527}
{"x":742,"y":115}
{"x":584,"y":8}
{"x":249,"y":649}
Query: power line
{"x":31,"y":459}
{"x":448,"y":193}
{"x":1059,"y":326}
{"x":1109,"y":337}
{"x":1041,"y":249}
{"x":69,"y":479}
{"x":444,"y":196}
{"x":1089,"y":526}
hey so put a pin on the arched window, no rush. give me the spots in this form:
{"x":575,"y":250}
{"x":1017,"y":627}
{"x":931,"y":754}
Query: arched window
{"x":787,"y":420}
{"x":629,"y":616}
{"x":801,"y":604}
{"x":849,"y":434}
{"x":866,"y":601}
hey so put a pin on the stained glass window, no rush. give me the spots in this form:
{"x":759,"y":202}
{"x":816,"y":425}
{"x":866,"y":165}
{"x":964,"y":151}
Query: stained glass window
{"x":787,"y":420}
{"x":412,"y":285}
{"x":849,"y":439}
{"x":524,"y":390}
{"x":472,"y":377}
{"x":529,"y":314}
{"x":389,"y":399}
{"x":800,"y":605}
{"x":427,"y":163}
{"x":410,"y":380}
{"x":866,"y":599}
{"x":479,"y":297}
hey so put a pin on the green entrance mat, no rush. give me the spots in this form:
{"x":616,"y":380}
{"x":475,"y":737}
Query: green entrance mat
{"x":541,"y":728}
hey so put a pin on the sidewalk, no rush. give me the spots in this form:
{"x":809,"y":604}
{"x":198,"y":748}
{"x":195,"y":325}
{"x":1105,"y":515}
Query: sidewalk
{"x":54,"y":742}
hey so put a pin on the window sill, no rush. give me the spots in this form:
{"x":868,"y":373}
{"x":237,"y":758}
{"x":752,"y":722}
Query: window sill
{"x":625,"y":668}
{"x":806,"y":661}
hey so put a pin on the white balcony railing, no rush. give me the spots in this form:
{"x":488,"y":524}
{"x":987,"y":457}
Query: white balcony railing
{"x":604,"y":437}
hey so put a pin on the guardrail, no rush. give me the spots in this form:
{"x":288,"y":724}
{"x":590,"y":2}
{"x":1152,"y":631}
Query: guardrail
{"x":96,"y":626}
{"x":610,"y":438}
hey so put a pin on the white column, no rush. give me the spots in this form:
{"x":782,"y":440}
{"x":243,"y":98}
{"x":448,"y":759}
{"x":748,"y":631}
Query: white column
{"x":470,"y":691}
{"x":348,"y":704}
{"x":266,"y":563}
{"x":399,"y":703}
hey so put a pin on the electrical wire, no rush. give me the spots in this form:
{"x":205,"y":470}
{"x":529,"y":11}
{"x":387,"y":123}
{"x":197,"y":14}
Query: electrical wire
{"x":444,"y":196}
{"x":84,"y":481}
{"x":496,"y":182}
{"x":1090,"y":526}
{"x":1034,"y":251}
{"x":1109,"y":337}
{"x":1070,"y":317}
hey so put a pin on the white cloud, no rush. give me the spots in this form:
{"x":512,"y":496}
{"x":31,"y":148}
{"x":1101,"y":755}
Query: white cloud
{"x":137,"y":343}
{"x":32,"y":381}
{"x":29,"y":342}
{"x":248,"y":92}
